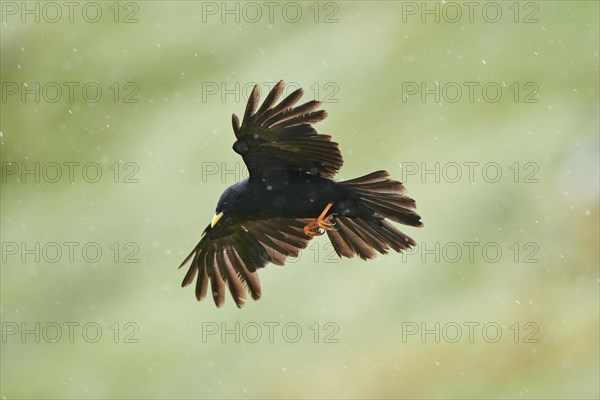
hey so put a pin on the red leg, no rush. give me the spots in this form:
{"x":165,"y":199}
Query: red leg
{"x":313,"y":228}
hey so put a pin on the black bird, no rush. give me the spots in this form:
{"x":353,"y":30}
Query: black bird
{"x":271,"y":215}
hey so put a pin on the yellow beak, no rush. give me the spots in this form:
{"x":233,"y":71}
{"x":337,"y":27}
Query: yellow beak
{"x":215,"y":219}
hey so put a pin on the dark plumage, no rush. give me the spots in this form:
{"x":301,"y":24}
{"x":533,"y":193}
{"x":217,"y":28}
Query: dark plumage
{"x":275,"y":212}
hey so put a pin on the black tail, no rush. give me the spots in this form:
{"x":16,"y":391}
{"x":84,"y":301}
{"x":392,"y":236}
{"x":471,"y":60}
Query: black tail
{"x":364,"y":236}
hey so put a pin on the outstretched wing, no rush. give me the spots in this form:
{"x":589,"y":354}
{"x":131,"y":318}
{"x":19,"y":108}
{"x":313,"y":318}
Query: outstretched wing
{"x":230,"y":254}
{"x":281,"y":137}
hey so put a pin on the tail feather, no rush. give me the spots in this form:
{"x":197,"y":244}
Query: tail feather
{"x":359,"y":245}
{"x":385,"y":197}
{"x":367,"y":236}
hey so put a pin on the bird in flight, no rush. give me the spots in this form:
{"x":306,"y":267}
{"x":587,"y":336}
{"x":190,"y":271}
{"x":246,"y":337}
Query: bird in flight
{"x":289,"y":197}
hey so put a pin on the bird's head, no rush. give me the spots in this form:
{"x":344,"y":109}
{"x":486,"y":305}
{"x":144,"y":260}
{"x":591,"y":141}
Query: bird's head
{"x":227,"y":203}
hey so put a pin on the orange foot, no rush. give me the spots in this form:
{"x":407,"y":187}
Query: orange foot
{"x":313,"y":228}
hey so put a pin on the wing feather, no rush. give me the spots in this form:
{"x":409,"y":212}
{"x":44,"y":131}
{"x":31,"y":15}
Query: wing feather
{"x":280,"y":137}
{"x":251,"y":105}
{"x":229,"y":255}
{"x":283,"y":106}
{"x":236,"y":288}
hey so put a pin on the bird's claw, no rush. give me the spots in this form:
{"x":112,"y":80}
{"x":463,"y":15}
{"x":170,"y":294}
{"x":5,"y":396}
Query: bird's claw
{"x":315,"y":227}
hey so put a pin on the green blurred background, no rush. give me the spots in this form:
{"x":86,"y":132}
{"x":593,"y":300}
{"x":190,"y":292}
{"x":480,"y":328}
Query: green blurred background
{"x":356,"y":56}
